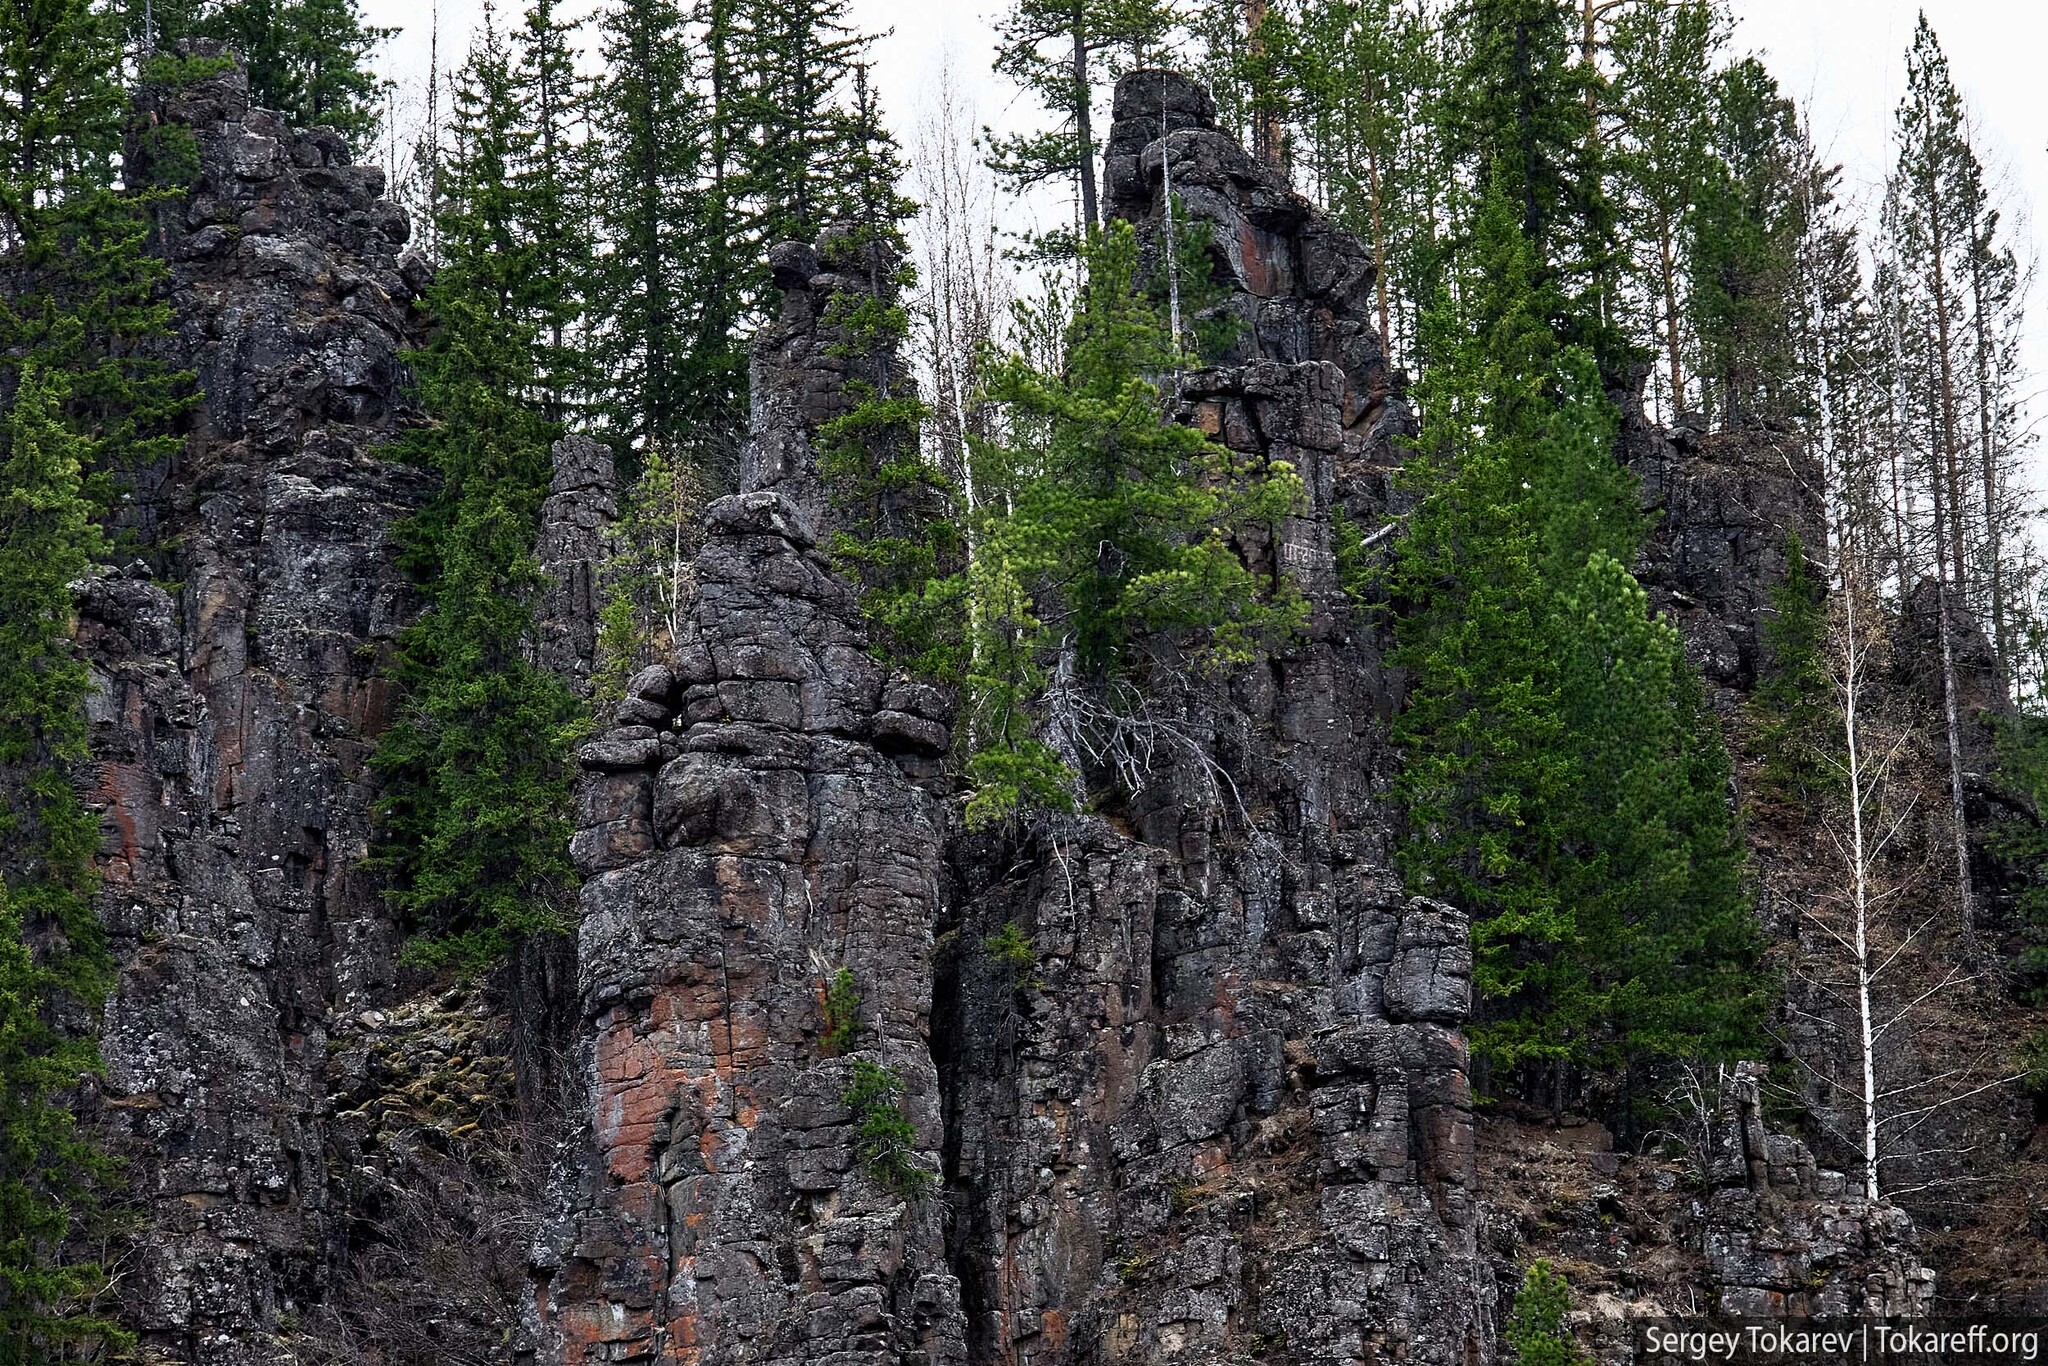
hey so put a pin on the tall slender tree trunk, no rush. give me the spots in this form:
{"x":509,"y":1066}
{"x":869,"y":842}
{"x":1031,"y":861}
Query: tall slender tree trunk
{"x":1987,"y":450}
{"x":1945,"y":627}
{"x":1859,"y":873}
{"x":1084,"y":126}
{"x":1944,"y":328}
{"x":1266,"y":135}
{"x":1668,"y":266}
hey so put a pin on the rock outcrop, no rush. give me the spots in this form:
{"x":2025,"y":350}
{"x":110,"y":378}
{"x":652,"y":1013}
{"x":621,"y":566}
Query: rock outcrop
{"x":1225,"y":1111}
{"x":750,"y":831}
{"x":240,"y":684}
{"x":828,"y":1077}
{"x":1723,"y":506}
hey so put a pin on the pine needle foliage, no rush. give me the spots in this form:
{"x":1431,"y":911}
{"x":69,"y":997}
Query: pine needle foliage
{"x":54,"y":964}
{"x":1104,"y":539}
{"x":1537,"y":1334}
{"x":1563,"y":781}
{"x":472,"y":824}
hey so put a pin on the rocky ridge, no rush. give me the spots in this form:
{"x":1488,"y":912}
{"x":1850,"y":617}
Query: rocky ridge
{"x":1187,"y":1082}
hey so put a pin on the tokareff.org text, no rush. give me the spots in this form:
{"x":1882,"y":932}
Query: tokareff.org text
{"x":1862,"y":1342}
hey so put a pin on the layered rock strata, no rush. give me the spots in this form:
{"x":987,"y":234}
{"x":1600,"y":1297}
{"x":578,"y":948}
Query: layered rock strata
{"x":749,"y":831}
{"x":1225,"y":1111}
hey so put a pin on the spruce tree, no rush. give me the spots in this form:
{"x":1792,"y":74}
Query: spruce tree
{"x":1562,"y":780}
{"x":472,"y":823}
{"x":673,"y":370}
{"x":551,"y":178}
{"x":54,"y":966}
{"x":1521,"y":122}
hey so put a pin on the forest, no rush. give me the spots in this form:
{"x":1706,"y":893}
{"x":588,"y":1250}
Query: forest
{"x":1583,"y":216}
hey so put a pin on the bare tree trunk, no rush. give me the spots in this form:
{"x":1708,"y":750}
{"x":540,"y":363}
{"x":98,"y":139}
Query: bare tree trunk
{"x":1944,"y":627}
{"x":1669,"y":271}
{"x":1988,"y":453}
{"x":1084,"y":129}
{"x":1266,"y":135}
{"x":1859,"y":872}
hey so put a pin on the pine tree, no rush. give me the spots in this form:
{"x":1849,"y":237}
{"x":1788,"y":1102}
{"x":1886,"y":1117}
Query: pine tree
{"x":1743,"y":250}
{"x":1102,"y":548}
{"x":1663,"y":56}
{"x":1537,"y":1334}
{"x":1363,"y":80}
{"x":1050,"y":48}
{"x":1930,"y":216}
{"x":54,"y":966}
{"x":472,"y":823}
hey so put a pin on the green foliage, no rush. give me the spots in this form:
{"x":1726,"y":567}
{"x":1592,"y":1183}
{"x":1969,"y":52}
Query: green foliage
{"x":899,"y":534}
{"x":81,"y":404}
{"x":1792,"y":701}
{"x":1562,"y":780}
{"x":53,"y":957}
{"x":1210,"y":330}
{"x":883,"y":1135}
{"x":665,"y":317}
{"x":1357,"y":573}
{"x":1536,"y":1334}
{"x":2019,"y":836}
{"x":1521,"y":121}
{"x":842,"y":1013}
{"x":472,"y":830}
{"x":1104,"y":537}
{"x":1012,"y":947}
{"x":308,"y":59}
{"x":720,"y":130}
{"x":1059,"y":51}
{"x":2033,"y":1063}
{"x":1744,"y":248}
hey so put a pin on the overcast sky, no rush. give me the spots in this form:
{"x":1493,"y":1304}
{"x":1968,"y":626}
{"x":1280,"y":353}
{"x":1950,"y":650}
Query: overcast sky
{"x":1844,"y":60}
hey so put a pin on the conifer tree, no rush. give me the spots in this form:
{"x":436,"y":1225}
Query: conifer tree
{"x":1743,"y":250}
{"x":307,"y":59}
{"x":1930,"y":216}
{"x":1102,"y":550}
{"x":1561,"y":779}
{"x":552,"y":181}
{"x":1364,"y":83}
{"x":672,"y":368}
{"x":1522,"y":125}
{"x":54,"y":965}
{"x":472,"y":821}
{"x":1051,"y":48}
{"x":1663,"y":55}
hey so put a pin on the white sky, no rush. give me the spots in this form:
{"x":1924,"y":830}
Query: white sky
{"x":1843,"y":59}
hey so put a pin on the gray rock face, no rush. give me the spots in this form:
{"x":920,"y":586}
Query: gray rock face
{"x":581,"y":506}
{"x":238,"y":697}
{"x":1784,"y":1238}
{"x":1724,"y":505}
{"x":1189,"y":1081}
{"x":1226,"y":1111}
{"x":750,"y":832}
